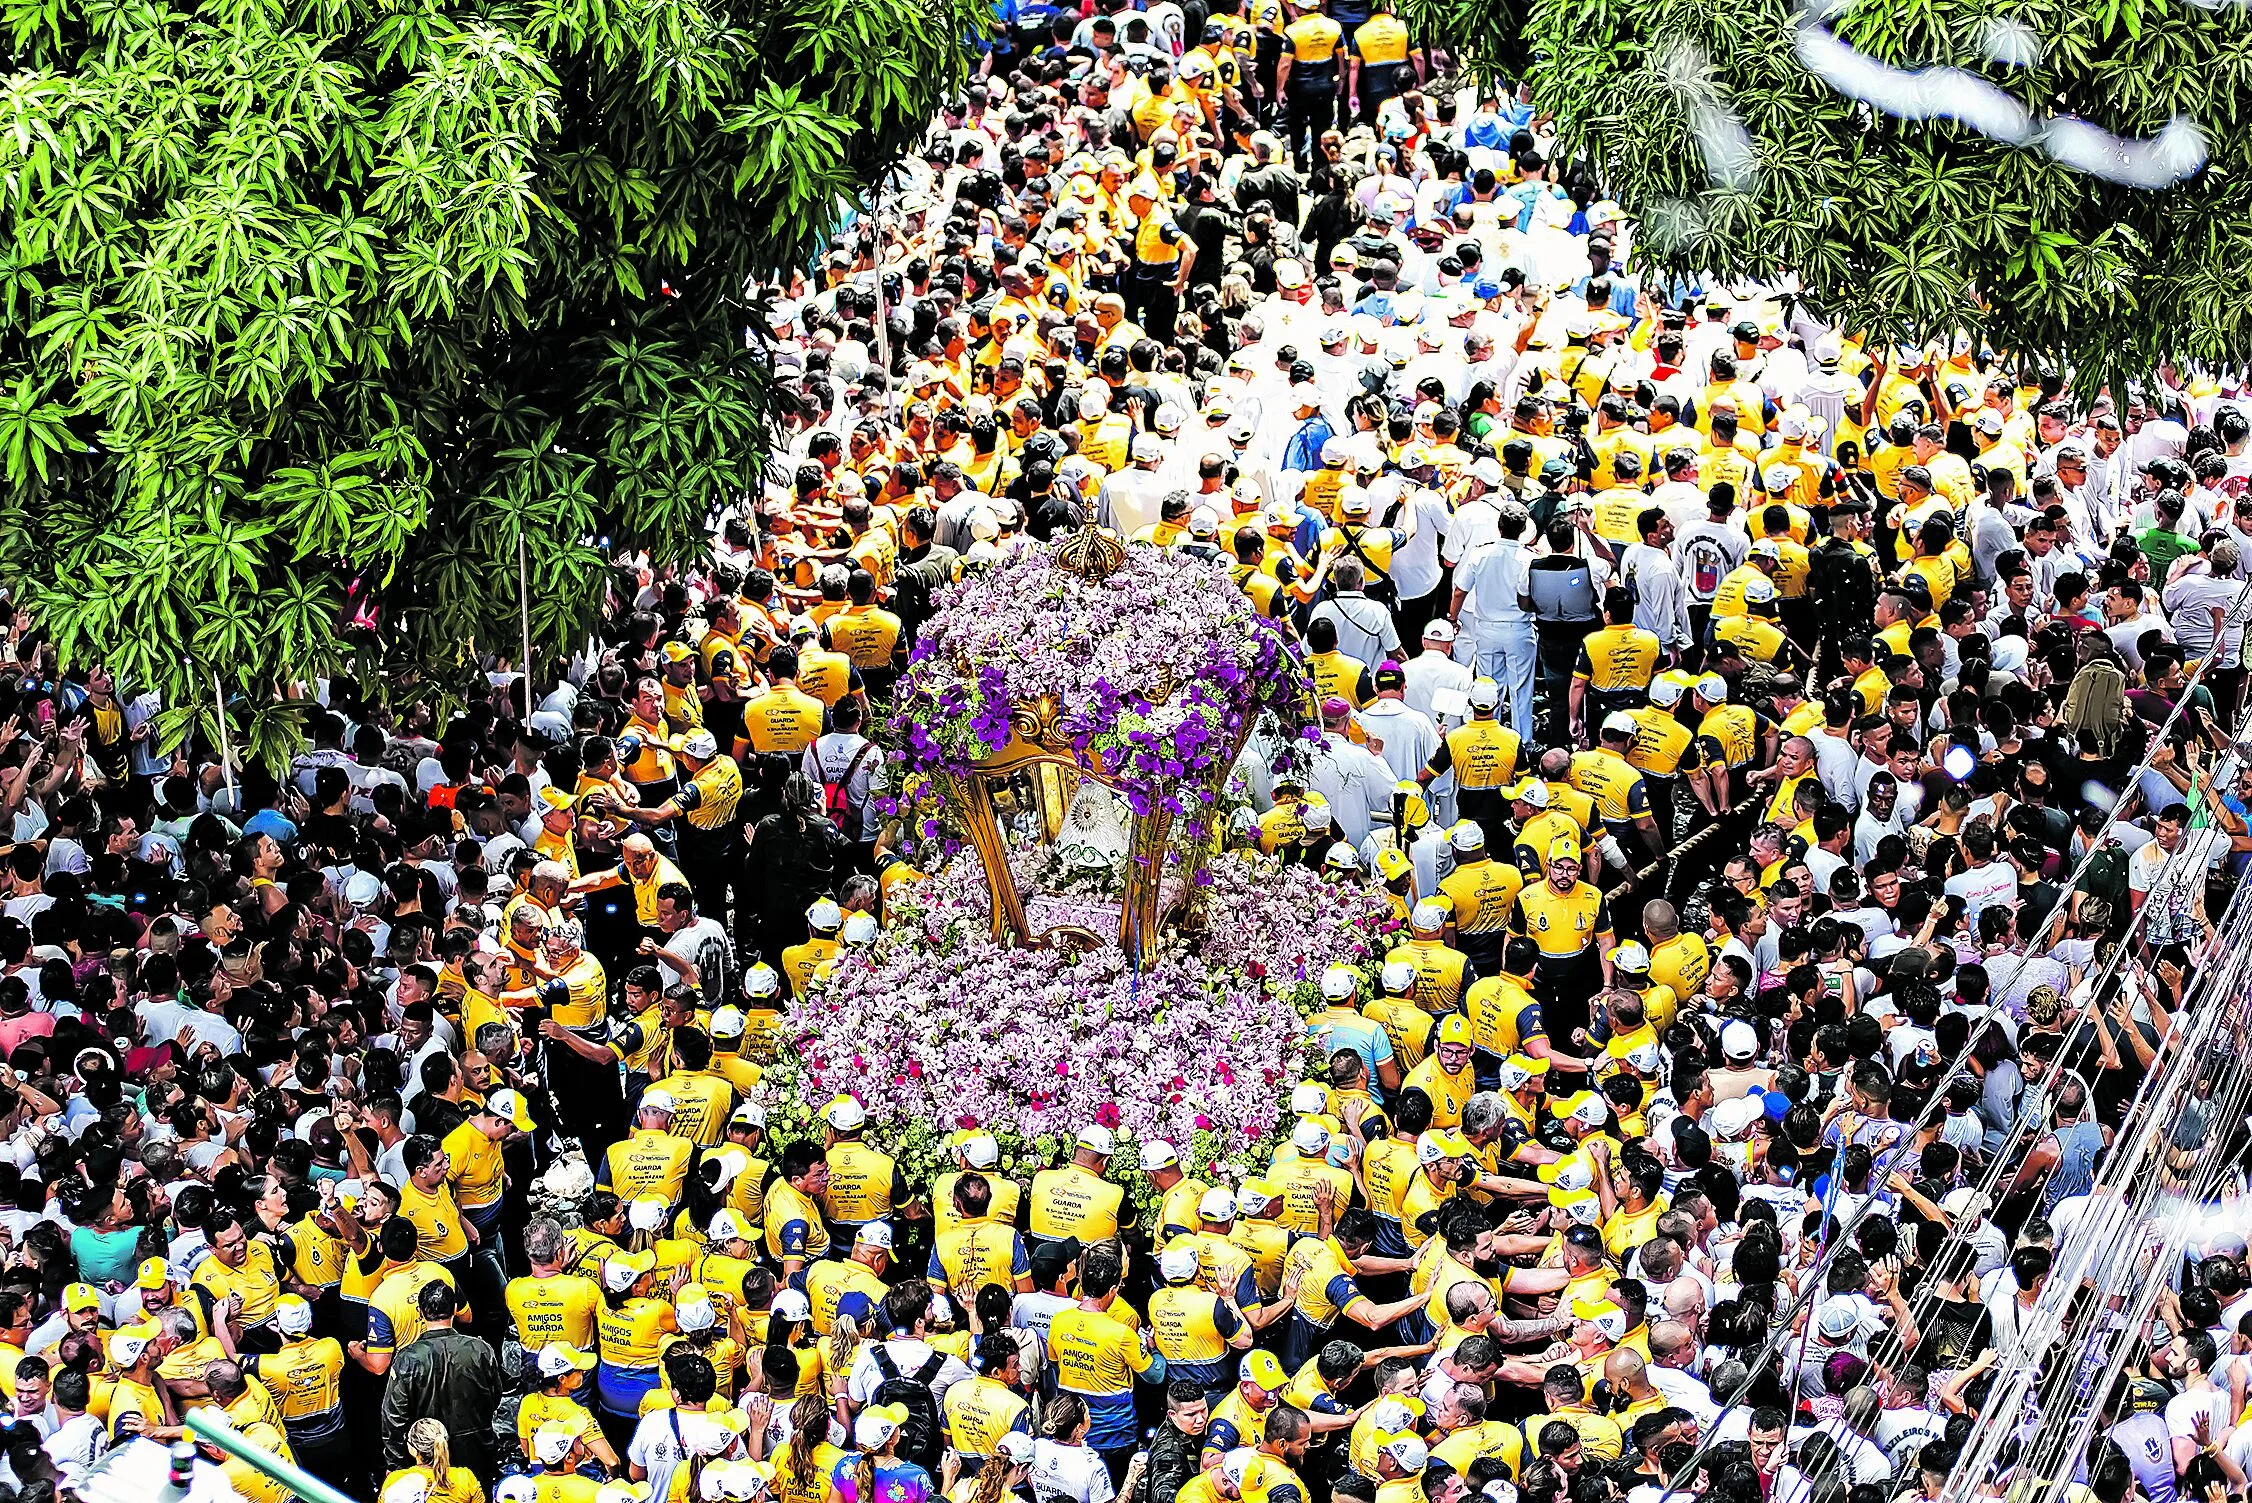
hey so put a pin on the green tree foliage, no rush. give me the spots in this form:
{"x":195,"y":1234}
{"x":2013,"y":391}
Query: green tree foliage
{"x":1910,"y":226}
{"x":305,"y":304}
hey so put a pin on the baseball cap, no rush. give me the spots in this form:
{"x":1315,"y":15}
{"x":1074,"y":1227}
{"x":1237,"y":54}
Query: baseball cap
{"x":1217,"y":1205}
{"x":1265,"y":1369}
{"x":845,"y":1114}
{"x":728,"y":1225}
{"x":292,"y":1316}
{"x":1158,"y":1154}
{"x":1618,"y":723}
{"x":877,"y":1424}
{"x":1408,"y":1452}
{"x":1630,"y":956}
{"x":82,"y":1297}
{"x":1665,"y":693}
{"x":876,"y":1234}
{"x":508,"y":1105}
{"x":981,"y":1151}
{"x":1178,"y":1262}
{"x":126,"y":1346}
{"x":1485,"y":694}
{"x":1467,"y":837}
{"x":1439,"y":630}
{"x":560,"y":1357}
{"x":155,"y":1274}
{"x":1309,"y":1137}
{"x":1098,"y":1138}
{"x":1738,"y":1040}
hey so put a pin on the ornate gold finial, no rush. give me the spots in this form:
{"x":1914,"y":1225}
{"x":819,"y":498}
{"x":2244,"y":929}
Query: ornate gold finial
{"x":1091,"y":553}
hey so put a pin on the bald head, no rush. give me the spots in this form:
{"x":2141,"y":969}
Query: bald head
{"x":1659,"y":921}
{"x":1685,"y":1301}
{"x":1623,"y":1367}
{"x":638,"y":845}
{"x":1672,"y":1344}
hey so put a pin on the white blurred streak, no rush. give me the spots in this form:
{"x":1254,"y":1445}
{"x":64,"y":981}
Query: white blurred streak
{"x":1726,"y":147}
{"x":1924,"y":94}
{"x":2174,"y":155}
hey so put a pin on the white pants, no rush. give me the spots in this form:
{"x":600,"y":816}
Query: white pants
{"x":1508,"y":652}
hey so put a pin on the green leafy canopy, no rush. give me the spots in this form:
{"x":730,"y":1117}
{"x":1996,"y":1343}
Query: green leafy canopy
{"x":1912,"y":227}
{"x":316,"y":302}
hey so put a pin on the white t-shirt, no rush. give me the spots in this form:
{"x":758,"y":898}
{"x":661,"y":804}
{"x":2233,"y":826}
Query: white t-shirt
{"x":1982,"y":887}
{"x":1069,"y":1474}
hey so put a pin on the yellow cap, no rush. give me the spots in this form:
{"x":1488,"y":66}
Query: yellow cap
{"x":1264,"y":1368}
{"x":82,"y":1297}
{"x":155,"y":1274}
{"x":1455,"y":1030}
{"x":1564,"y":848}
{"x":1393,"y":864}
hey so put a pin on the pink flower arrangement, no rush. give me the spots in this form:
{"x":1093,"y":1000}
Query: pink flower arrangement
{"x":940,"y":1024}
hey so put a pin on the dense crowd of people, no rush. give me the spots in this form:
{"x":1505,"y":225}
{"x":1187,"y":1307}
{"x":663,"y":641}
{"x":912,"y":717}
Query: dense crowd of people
{"x":1801,"y":769}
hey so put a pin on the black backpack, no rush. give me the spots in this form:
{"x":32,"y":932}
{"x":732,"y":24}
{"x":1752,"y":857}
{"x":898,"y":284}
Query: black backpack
{"x":919,"y":1438}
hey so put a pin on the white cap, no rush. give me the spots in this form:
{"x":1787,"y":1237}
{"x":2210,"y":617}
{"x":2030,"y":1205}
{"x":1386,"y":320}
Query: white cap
{"x":1339,"y":982}
{"x":728,"y":1226}
{"x":1408,"y":1452}
{"x":762,"y":980}
{"x":981,"y":1151}
{"x":749,"y":1114}
{"x":1964,"y":1201}
{"x":1217,"y":1205}
{"x":646,"y":1215}
{"x":1439,"y":629}
{"x":1307,"y":1098}
{"x":551,"y":1443}
{"x":727,"y":1023}
{"x":1791,"y":425}
{"x":1309,"y":1136}
{"x":824,"y":915}
{"x":790,"y":1305}
{"x":1467,"y":837}
{"x":1630,"y":957}
{"x":560,"y":1357}
{"x":1158,"y":1154}
{"x":410,"y":1487}
{"x":658,"y":1101}
{"x":1713,"y":687}
{"x":1178,"y":1262}
{"x":860,"y":929}
{"x":1665,"y":693}
{"x":1097,"y":1137}
{"x":1485,"y":694}
{"x":1427,"y":915}
{"x":876,"y":1234}
{"x":1738,"y":1040}
{"x":1758,"y":591}
{"x":292,"y":1316}
{"x":1334,"y":449}
{"x":1147,"y":446}
{"x":845,"y":1114}
{"x":1735,"y":1116}
{"x":1314,"y":814}
{"x":1341,"y":857}
{"x":1398,"y":977}
{"x":696,"y":1315}
{"x":1618,"y":723}
{"x":517,"y":1489}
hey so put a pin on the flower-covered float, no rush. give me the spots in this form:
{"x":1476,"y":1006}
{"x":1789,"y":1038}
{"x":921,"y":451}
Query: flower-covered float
{"x":1083,"y":950}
